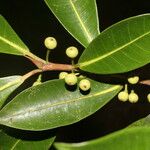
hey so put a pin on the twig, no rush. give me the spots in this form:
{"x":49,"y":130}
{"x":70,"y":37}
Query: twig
{"x":146,"y":82}
{"x":54,"y":66}
{"x":50,"y":66}
{"x":31,"y":73}
{"x":36,"y":62}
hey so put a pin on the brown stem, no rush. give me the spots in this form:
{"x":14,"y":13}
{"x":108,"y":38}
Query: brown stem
{"x":31,"y":73}
{"x":44,"y":66}
{"x":54,"y":66}
{"x":50,"y":66}
{"x":38,"y":63}
{"x":146,"y":82}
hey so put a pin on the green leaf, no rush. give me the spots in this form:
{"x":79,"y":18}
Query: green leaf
{"x":134,"y":137}
{"x":8,"y":142}
{"x":7,"y":86}
{"x":127,"y":139}
{"x":10,"y":43}
{"x":52,"y":105}
{"x":79,"y":17}
{"x":120,"y":48}
{"x":144,"y":122}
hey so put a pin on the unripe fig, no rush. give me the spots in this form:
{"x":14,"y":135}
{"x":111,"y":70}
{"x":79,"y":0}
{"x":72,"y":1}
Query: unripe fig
{"x":62,"y":75}
{"x":72,"y":52}
{"x":71,"y":79}
{"x":133,"y":97}
{"x":84,"y":84}
{"x":123,"y":96}
{"x":50,"y":42}
{"x":133,"y":80}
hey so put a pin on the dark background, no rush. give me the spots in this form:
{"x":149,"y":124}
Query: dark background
{"x":33,"y":22}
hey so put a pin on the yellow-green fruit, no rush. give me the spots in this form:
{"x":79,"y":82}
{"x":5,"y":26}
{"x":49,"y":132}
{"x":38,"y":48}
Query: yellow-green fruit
{"x":81,"y":76}
{"x":148,"y":97}
{"x":62,"y":75}
{"x":133,"y":97}
{"x":50,"y":42}
{"x":123,"y":96}
{"x":71,"y":79}
{"x":72,"y":52}
{"x":84,"y":85}
{"x":133,"y":80}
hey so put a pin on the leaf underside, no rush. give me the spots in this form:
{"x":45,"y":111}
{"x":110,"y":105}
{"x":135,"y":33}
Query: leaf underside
{"x":52,"y":105}
{"x":120,"y":48}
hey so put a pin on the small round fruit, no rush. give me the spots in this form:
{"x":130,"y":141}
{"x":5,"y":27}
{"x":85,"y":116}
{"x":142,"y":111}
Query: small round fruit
{"x":123,"y":96}
{"x":148,"y":97}
{"x":62,"y":75}
{"x":133,"y":97}
{"x":71,"y":79}
{"x":81,"y":76}
{"x":72,"y":52}
{"x":133,"y":80}
{"x":85,"y":85}
{"x":50,"y":42}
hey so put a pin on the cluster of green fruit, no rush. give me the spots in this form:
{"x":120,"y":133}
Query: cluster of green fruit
{"x":84,"y":84}
{"x":131,"y":97}
{"x":70,"y":78}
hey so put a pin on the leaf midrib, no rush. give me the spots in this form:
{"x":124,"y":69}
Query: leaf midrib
{"x":81,"y":22}
{"x":15,"y":144}
{"x":63,"y":102}
{"x":86,"y":63}
{"x":20,"y":49}
{"x":12,"y":83}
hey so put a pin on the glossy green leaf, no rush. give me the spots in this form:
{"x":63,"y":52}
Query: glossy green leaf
{"x":79,"y":17}
{"x":135,"y":137}
{"x":7,"y":86}
{"x":120,"y":48}
{"x":127,"y":139}
{"x":8,"y":142}
{"x":10,"y":43}
{"x":52,"y":105}
{"x":144,"y":122}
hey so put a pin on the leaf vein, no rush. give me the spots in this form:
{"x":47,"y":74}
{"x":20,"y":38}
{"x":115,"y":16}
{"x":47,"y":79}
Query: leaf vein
{"x":81,"y":22}
{"x":15,"y":144}
{"x":20,"y":49}
{"x":86,"y":63}
{"x":62,"y":103}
